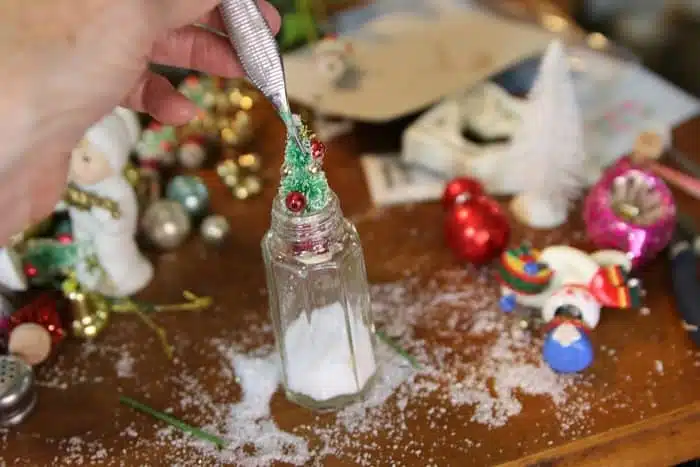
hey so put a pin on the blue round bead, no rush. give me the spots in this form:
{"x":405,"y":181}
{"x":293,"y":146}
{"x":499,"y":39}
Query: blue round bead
{"x":531,"y":268}
{"x":572,"y":358}
{"x":507,"y":303}
{"x":191,"y":192}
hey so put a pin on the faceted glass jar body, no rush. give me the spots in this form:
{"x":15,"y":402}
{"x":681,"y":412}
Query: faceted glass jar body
{"x":320,"y":306}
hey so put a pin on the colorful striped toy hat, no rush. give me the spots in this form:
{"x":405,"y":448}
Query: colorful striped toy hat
{"x":522,"y":272}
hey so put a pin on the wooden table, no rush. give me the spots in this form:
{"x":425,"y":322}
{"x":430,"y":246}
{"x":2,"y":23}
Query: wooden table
{"x":638,"y":405}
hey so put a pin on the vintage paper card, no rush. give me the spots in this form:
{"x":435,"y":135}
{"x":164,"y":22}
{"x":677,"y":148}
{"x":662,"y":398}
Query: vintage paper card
{"x":391,"y":181}
{"x":407,"y":71}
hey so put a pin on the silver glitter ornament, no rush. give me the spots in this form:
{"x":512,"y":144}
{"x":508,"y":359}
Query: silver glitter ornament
{"x":17,"y":390}
{"x":215,"y":229}
{"x":166,"y":224}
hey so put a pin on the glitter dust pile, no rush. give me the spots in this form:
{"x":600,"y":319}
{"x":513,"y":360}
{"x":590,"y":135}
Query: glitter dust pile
{"x":477,"y":370}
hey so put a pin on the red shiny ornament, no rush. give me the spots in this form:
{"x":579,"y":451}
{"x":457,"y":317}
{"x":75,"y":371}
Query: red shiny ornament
{"x":30,"y":270}
{"x":477,"y":231}
{"x":459,"y":190}
{"x":318,"y":149}
{"x":295,"y":201}
{"x":41,"y":311}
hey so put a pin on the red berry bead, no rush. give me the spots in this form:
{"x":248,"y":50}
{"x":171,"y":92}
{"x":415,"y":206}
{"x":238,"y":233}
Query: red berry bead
{"x":30,"y":270}
{"x":318,"y":149}
{"x":65,"y":238}
{"x":295,"y":201}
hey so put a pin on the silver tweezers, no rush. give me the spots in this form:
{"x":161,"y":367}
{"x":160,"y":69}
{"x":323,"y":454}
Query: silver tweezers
{"x":259,"y":55}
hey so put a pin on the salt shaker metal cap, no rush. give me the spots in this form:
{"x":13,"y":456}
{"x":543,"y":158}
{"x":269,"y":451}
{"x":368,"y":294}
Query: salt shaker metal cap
{"x":17,"y":390}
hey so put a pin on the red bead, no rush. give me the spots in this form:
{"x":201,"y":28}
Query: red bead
{"x":318,"y":149}
{"x":477,"y":231}
{"x":65,"y":238}
{"x":42,"y":311}
{"x":154,"y":126}
{"x":460,"y":190}
{"x":295,"y":201}
{"x":192,"y":81}
{"x":30,"y":270}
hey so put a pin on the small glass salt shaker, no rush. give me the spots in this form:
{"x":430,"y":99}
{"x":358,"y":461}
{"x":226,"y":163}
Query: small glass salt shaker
{"x":17,"y":390}
{"x":320,"y":306}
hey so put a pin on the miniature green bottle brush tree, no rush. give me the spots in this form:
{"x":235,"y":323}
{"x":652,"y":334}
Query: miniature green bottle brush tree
{"x":303,"y":186}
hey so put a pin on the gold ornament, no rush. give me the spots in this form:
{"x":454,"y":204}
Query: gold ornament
{"x":238,"y":99}
{"x":208,"y":123}
{"x":223,"y":123}
{"x":227,"y":167}
{"x":250,"y":161}
{"x":90,"y":310}
{"x":246,"y":103}
{"x":230,"y":180}
{"x":241,"y":192}
{"x":229,"y":136}
{"x":240,"y":177}
{"x":252,"y":184}
{"x":242,"y":125}
{"x":222,"y":103}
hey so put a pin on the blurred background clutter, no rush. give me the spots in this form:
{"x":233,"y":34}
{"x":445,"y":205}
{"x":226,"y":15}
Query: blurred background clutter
{"x":664,"y":33}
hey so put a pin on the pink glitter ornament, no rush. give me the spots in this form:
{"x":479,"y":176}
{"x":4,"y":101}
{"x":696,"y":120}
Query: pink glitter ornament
{"x":632,"y":210}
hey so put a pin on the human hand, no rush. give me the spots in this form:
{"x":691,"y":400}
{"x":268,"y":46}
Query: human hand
{"x":66,"y":63}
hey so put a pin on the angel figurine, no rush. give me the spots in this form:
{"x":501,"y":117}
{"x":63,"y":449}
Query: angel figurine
{"x":104,"y":210}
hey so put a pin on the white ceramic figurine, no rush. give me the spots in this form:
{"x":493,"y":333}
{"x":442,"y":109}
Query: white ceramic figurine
{"x":335,"y":65}
{"x":108,"y":224}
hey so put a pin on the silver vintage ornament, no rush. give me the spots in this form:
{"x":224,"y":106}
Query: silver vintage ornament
{"x":17,"y":390}
{"x":166,"y":224}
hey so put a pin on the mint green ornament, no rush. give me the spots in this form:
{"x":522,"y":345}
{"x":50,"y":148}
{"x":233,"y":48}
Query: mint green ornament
{"x":191,"y":192}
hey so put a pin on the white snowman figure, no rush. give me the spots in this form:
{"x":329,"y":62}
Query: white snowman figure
{"x":337,"y":71}
{"x":96,"y":168}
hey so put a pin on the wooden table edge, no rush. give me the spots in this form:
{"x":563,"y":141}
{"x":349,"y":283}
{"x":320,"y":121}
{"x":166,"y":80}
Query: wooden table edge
{"x":666,"y":439}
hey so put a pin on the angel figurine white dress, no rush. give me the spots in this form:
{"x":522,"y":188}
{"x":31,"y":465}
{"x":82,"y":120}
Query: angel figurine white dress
{"x":103,"y":208}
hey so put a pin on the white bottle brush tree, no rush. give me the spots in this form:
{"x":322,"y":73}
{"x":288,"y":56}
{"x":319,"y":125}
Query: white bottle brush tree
{"x":547,"y":152}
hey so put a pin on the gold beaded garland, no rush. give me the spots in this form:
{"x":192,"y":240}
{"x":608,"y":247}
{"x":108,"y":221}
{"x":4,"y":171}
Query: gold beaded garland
{"x":252,"y":184}
{"x":249,"y":161}
{"x":225,"y":121}
{"x":230,"y":180}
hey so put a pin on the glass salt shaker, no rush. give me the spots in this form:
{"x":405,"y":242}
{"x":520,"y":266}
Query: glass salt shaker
{"x":320,"y":306}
